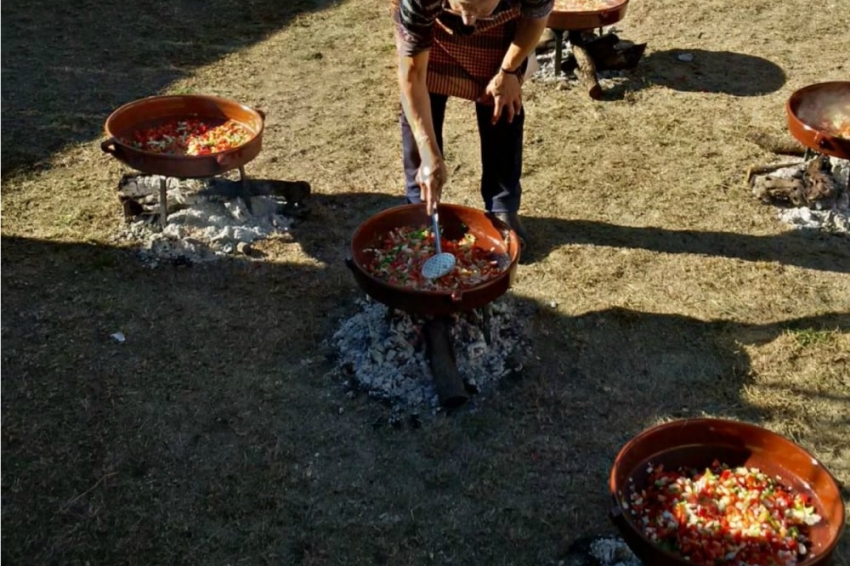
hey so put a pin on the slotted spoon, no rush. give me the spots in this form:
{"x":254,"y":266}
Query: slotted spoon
{"x":442,"y":263}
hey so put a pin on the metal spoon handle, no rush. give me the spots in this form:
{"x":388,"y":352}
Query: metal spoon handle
{"x":436,"y":227}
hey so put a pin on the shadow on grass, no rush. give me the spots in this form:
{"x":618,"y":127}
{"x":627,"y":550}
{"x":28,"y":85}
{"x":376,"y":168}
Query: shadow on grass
{"x":66,"y":66}
{"x":718,"y":72}
{"x":614,"y":372}
{"x":811,"y":250}
{"x":211,"y":436}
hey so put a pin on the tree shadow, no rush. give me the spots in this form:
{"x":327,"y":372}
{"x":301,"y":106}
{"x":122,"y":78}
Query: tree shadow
{"x":67,"y":66}
{"x":666,"y":363}
{"x":719,"y":72}
{"x":812,"y":250}
{"x":214,"y":403}
{"x":650,"y":366}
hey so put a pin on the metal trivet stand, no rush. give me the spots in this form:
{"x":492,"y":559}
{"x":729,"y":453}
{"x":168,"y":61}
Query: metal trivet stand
{"x":293,"y":194}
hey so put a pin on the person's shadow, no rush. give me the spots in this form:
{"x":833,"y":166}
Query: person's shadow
{"x":334,"y":218}
{"x":812,"y":250}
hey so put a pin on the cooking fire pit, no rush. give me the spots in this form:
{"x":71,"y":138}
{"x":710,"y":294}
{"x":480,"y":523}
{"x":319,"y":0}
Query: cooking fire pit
{"x":578,"y":18}
{"x":155,"y":111}
{"x":437,"y":307}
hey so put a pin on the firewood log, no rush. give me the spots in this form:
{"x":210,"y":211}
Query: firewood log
{"x":441,"y":356}
{"x":586,"y":72}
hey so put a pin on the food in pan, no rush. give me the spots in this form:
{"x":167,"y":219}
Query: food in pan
{"x":584,"y":5}
{"x":839,"y":128}
{"x":723,"y":515}
{"x":190,"y":136}
{"x":829,"y":112}
{"x":398,"y":255}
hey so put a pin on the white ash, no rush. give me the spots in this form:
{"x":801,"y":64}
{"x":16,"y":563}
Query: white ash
{"x":546,"y":72}
{"x":613,"y":551}
{"x":384,"y":357}
{"x":600,"y":550}
{"x":201,"y":228}
{"x":832,"y":217}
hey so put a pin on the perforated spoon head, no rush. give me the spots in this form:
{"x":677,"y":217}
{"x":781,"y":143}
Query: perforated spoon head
{"x":438,"y":266}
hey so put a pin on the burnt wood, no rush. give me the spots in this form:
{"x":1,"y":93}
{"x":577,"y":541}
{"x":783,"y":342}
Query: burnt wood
{"x":814,"y":184}
{"x":441,"y":357}
{"x":585,"y":67}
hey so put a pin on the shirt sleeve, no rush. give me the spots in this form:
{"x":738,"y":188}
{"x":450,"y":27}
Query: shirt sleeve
{"x":536,"y":8}
{"x":414,"y":24}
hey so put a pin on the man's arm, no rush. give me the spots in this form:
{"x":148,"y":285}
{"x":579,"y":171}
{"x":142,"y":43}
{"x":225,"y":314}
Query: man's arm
{"x":527,"y":35}
{"x":414,"y":22}
{"x":416,"y":105}
{"x":506,"y":88}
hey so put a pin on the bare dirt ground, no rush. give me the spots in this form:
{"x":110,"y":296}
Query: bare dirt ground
{"x":212,"y":436}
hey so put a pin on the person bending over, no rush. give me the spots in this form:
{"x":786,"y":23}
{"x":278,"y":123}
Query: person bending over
{"x":476,"y":50}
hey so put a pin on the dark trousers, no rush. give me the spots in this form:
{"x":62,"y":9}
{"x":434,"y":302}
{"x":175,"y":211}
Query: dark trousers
{"x":501,"y":155}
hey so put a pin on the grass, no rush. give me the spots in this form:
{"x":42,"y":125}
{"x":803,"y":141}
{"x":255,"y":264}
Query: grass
{"x":213,"y":435}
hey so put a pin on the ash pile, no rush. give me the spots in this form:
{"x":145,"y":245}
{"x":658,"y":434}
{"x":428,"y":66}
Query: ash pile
{"x":206,"y":219}
{"x":381,"y":354}
{"x":810,"y":194}
{"x":613,"y":57}
{"x":607,"y":550}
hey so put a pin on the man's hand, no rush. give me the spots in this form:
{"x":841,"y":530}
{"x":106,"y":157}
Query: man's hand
{"x":432,"y":178}
{"x":506,"y":93}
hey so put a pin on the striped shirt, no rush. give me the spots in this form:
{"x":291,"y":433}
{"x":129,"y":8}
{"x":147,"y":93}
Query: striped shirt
{"x":462,"y":59}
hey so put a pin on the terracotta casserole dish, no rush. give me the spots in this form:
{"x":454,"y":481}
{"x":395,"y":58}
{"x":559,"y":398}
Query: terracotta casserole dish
{"x":696,"y":443}
{"x":156,"y":110}
{"x":819,"y":117}
{"x":455,"y":221}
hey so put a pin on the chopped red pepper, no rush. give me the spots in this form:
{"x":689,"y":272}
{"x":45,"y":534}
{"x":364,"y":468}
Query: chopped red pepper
{"x":190,"y":137}
{"x":737,"y":516}
{"x":399,"y":254}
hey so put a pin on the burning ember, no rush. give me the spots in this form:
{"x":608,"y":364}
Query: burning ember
{"x":384,"y":356}
{"x":207,"y":219}
{"x":811,"y":194}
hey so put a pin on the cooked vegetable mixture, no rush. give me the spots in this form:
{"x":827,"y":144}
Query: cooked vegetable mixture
{"x":398,"y":256}
{"x":837,"y":127}
{"x":190,"y":137}
{"x":722,"y":515}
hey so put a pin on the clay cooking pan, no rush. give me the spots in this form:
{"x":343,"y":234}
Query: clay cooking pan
{"x":155,"y":110}
{"x":811,"y":107}
{"x":695,"y":443}
{"x":455,"y":220}
{"x":586,"y":14}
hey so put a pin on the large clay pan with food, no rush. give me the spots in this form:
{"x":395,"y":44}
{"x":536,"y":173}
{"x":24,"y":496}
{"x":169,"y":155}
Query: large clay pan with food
{"x":819,"y":117}
{"x":696,"y":443}
{"x":586,"y":14}
{"x":157,"y":110}
{"x":455,"y":221}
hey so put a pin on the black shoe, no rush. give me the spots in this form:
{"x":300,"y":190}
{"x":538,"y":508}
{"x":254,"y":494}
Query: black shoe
{"x":512,"y":220}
